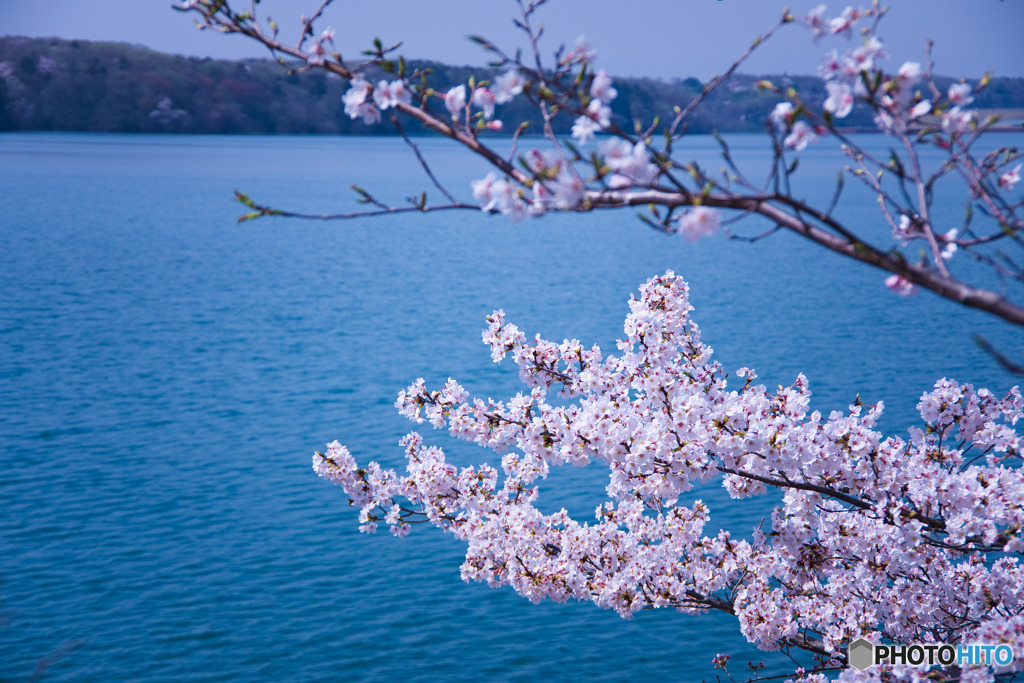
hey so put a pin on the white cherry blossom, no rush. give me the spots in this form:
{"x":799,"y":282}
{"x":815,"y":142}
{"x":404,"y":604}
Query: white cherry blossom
{"x":840,"y":99}
{"x":455,"y":100}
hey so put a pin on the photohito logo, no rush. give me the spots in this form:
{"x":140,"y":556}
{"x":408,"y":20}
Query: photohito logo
{"x":862,"y":653}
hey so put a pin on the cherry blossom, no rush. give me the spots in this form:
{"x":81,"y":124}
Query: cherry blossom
{"x":358,"y":103}
{"x":1009,"y":179}
{"x":455,"y":100}
{"x":630,"y":163}
{"x":484,"y":100}
{"x":957,"y":121}
{"x":840,"y":99}
{"x":482,"y":189}
{"x":905,"y":536}
{"x":907,"y":77}
{"x":387,"y":95}
{"x":782,"y":115}
{"x":602,"y":89}
{"x":507,"y":86}
{"x":841,"y":69}
{"x":698,"y":222}
{"x":317,"y":54}
{"x":843,"y":24}
{"x":583,"y":51}
{"x":901,"y":285}
{"x":959,"y":94}
{"x":567,"y":191}
{"x":950,"y":248}
{"x":801,"y":136}
{"x":905,"y":229}
{"x":922,"y":108}
{"x":816,"y":21}
{"x":863,"y":58}
{"x":874,"y":535}
{"x":499,"y":195}
{"x":541,"y":162}
{"x":597,"y":117}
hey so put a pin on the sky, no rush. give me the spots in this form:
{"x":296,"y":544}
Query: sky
{"x":656,"y":38}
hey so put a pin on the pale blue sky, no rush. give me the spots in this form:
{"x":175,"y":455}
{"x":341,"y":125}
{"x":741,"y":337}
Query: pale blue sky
{"x":660,"y":38}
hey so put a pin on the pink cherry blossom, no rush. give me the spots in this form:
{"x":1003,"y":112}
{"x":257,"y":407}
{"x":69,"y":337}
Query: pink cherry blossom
{"x":387,"y":95}
{"x":843,"y":24}
{"x":565,"y":192}
{"x":499,"y":195}
{"x":698,"y":222}
{"x":816,"y":21}
{"x":957,"y":121}
{"x":631,"y":164}
{"x":358,"y":103}
{"x":840,"y":69}
{"x":482,"y":190}
{"x":317,"y":54}
{"x":959,"y":94}
{"x":801,"y":136}
{"x":908,"y":76}
{"x":894,"y":535}
{"x":1009,"y":179}
{"x":583,"y":51}
{"x":872,"y":535}
{"x":863,"y":58}
{"x":541,"y":162}
{"x":901,"y":285}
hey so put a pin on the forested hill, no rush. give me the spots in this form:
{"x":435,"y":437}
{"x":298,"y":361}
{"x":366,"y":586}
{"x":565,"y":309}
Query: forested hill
{"x":47,"y":84}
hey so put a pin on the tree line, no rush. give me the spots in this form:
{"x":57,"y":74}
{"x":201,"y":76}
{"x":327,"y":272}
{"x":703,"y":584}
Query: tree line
{"x":50,"y":84}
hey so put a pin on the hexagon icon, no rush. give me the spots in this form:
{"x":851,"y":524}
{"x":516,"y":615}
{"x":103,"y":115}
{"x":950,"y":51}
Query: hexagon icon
{"x":861,"y":654}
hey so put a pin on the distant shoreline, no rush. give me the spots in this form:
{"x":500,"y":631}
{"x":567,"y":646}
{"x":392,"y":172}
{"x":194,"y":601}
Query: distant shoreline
{"x":51,"y":84}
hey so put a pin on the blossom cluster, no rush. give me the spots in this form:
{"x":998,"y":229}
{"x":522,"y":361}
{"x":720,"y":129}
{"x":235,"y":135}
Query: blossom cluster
{"x":908,"y":106}
{"x":318,"y":52}
{"x":557,"y":184}
{"x":598,"y":114}
{"x":914,"y":539}
{"x":484,"y":97}
{"x":897,"y":104}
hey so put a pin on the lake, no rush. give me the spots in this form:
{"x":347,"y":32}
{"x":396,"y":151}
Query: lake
{"x":166,"y":374}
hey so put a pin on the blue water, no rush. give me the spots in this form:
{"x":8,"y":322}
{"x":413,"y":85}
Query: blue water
{"x":165,"y":375}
